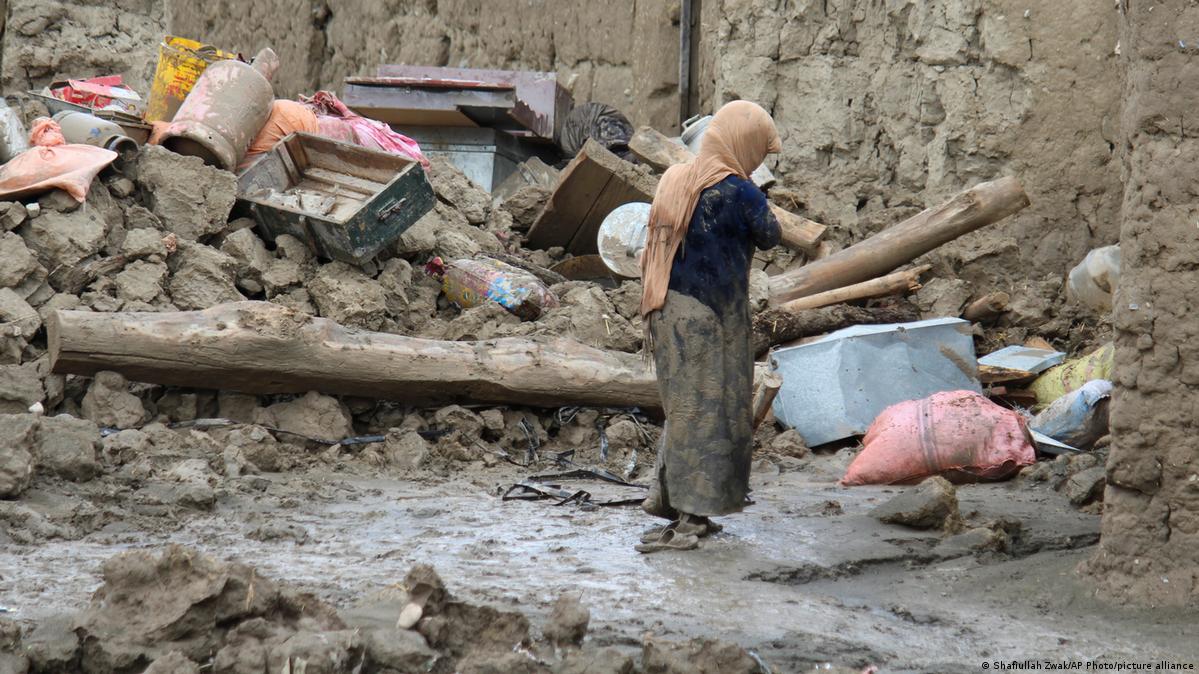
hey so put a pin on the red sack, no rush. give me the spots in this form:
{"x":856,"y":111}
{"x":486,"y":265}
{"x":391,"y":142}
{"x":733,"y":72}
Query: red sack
{"x":50,"y":164}
{"x":958,"y":434}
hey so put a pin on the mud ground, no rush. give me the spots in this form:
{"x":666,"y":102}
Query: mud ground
{"x":804,"y":577}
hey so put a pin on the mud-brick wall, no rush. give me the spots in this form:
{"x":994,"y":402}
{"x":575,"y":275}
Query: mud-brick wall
{"x":885,"y":105}
{"x":622,"y":52}
{"x":1149,"y":549}
{"x":44,"y":40}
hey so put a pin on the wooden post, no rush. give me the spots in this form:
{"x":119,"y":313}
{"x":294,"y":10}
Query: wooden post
{"x":260,"y":347}
{"x":764,"y":398}
{"x":900,"y":282}
{"x":986,"y":307}
{"x":974,"y":208}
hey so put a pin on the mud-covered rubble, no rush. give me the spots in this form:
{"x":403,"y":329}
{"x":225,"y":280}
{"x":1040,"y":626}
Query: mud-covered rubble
{"x":176,"y":610}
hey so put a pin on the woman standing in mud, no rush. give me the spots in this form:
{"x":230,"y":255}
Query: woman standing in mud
{"x":706,"y":219}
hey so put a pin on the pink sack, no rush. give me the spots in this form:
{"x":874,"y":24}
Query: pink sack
{"x":50,"y":164}
{"x":958,"y":434}
{"x":367,"y":132}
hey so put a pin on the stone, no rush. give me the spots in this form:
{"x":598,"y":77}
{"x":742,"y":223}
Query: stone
{"x":698,"y":656}
{"x":141,"y":281}
{"x":252,"y":257}
{"x":624,"y":434}
{"x":240,"y":407}
{"x":296,"y":299}
{"x":460,"y":419}
{"x":202,"y":277}
{"x":1086,"y":486}
{"x":139,"y":217}
{"x":454,"y":188}
{"x":109,"y":403}
{"x":790,"y":443}
{"x":53,"y":646}
{"x":173,"y":663}
{"x":405,"y":449}
{"x":125,"y":446}
{"x":12,"y":215}
{"x":140,"y":243}
{"x":348,"y":296}
{"x":759,"y":290}
{"x":17,"y":262}
{"x":525,"y":205}
{"x":16,"y":313}
{"x":312,"y":416}
{"x":493,"y":420}
{"x":121,"y":187}
{"x":58,"y":200}
{"x":977,"y":539}
{"x":280,"y":275}
{"x":942,"y":297}
{"x":596,"y":661}
{"x":288,"y":247}
{"x":931,"y":504}
{"x":66,"y":446}
{"x":568,"y":621}
{"x":20,"y":387}
{"x":17,"y":433}
{"x":64,"y":238}
{"x":398,"y":650}
{"x":259,"y":447}
{"x":191,"y":199}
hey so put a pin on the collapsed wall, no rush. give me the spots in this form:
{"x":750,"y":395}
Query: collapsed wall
{"x":887,"y":107}
{"x":1149,"y":550}
{"x":624,"y":53}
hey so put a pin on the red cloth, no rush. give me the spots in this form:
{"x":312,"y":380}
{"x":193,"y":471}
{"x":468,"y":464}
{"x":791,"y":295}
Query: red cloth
{"x":367,"y":132}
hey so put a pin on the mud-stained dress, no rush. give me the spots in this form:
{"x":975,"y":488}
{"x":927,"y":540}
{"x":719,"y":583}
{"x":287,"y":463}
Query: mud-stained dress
{"x":701,"y":348}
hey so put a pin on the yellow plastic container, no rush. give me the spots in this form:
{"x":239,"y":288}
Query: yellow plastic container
{"x":180,"y":63}
{"x":1071,"y":375}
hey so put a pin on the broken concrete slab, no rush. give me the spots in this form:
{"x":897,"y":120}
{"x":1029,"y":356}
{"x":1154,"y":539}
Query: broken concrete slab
{"x":930,"y":505}
{"x":191,"y":199}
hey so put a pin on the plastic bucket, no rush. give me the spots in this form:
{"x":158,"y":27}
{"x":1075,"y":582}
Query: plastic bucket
{"x":180,"y":63}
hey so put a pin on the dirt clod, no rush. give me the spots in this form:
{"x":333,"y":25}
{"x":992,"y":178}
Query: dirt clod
{"x":932,"y":504}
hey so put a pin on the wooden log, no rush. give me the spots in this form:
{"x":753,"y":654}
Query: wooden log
{"x":775,"y":327}
{"x":588,"y":189}
{"x":974,"y":208}
{"x":260,"y":347}
{"x":660,"y":152}
{"x":764,"y":398}
{"x":899,"y":282}
{"x":986,"y":307}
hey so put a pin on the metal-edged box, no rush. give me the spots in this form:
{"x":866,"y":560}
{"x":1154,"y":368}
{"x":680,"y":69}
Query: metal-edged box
{"x":345,"y":201}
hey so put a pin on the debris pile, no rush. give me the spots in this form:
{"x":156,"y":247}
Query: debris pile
{"x":178,"y":610}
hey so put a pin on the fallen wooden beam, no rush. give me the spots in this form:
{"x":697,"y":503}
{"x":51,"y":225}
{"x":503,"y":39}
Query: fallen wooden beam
{"x":891,"y":284}
{"x":974,"y":208}
{"x":660,"y":152}
{"x":774,"y":326}
{"x":260,"y":347}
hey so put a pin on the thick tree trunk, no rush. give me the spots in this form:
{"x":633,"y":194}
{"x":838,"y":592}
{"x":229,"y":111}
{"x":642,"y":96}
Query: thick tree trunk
{"x":776,"y":327}
{"x":259,"y":347}
{"x":978,"y":206}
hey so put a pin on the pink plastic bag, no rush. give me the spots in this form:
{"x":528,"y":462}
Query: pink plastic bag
{"x":958,"y":434}
{"x":367,"y":132}
{"x":50,"y":164}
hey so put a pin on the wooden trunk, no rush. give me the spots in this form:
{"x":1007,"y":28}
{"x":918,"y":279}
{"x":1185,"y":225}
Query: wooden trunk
{"x":981,"y":205}
{"x":775,"y":326}
{"x":260,"y":347}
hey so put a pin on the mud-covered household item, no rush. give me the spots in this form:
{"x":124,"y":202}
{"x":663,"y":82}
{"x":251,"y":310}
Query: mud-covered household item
{"x":1093,"y":281}
{"x":180,"y":63}
{"x":599,"y":122}
{"x":960,"y":435}
{"x":469,"y":283}
{"x":1078,"y":418}
{"x":347,"y":202}
{"x":107,"y":92}
{"x":369,"y":133}
{"x":224,"y":111}
{"x":693,"y":138}
{"x":52,"y":164}
{"x":13,"y":138}
{"x":1073,"y":374}
{"x":286,"y":118}
{"x":622,"y":238}
{"x":79,"y":127}
{"x":486,"y":156}
{"x":834,"y":388}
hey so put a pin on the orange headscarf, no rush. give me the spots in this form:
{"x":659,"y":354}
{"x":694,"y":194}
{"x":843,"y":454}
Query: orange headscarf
{"x":738,"y":139}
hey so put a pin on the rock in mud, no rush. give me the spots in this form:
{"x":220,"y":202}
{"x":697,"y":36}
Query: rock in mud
{"x":405,"y":449}
{"x":453,"y":187}
{"x":64,"y":238}
{"x":790,"y":443}
{"x":240,"y":407}
{"x":19,"y":262}
{"x":459,"y":419}
{"x":20,"y":387}
{"x":256,"y":445}
{"x":144,"y":242}
{"x":312,"y":416}
{"x":202,"y":277}
{"x":398,"y":650}
{"x":931,"y":504}
{"x":977,"y":539}
{"x":141,"y":281}
{"x":252,"y":257}
{"x":12,"y":214}
{"x":595,"y":661}
{"x":698,"y":656}
{"x":568,"y":621}
{"x":191,"y":199}
{"x":17,"y":316}
{"x":109,"y":403}
{"x":1086,"y":486}
{"x":346,"y":295}
{"x":53,"y":646}
{"x":499,"y":663}
{"x":17,"y":435}
{"x":66,"y":446}
{"x":525,"y":205}
{"x":942,"y":297}
{"x":337,"y":652}
{"x":173,"y":663}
